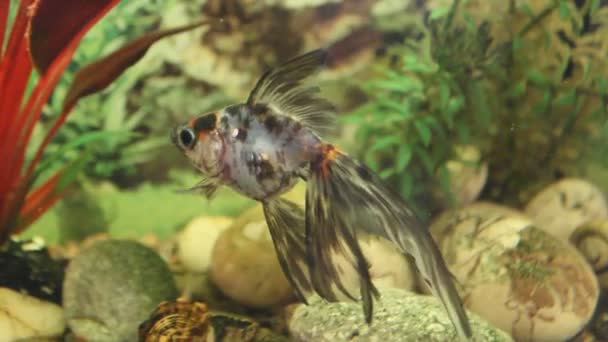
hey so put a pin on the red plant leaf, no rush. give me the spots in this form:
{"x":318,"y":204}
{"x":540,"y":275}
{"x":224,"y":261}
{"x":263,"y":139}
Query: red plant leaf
{"x":10,"y":205}
{"x":37,"y":195}
{"x":38,"y":201}
{"x":57,"y":22}
{"x":33,"y":108}
{"x":17,"y":122}
{"x":98,"y":75}
{"x":15,"y":67}
{"x":4,"y":6}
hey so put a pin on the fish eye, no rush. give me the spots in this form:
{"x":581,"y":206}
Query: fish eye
{"x":187,"y":137}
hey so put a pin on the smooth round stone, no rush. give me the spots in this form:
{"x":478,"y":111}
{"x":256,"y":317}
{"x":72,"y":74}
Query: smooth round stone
{"x":467,"y":174}
{"x":195,"y":242}
{"x":111,"y":287}
{"x":399,"y":316}
{"x":517,"y":276}
{"x":244,"y":264}
{"x":389,"y":268}
{"x":565,"y":205}
{"x":26,"y":317}
{"x":591,"y":239}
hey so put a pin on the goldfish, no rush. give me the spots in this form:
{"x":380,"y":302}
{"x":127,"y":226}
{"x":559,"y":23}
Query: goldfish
{"x":261,"y":148}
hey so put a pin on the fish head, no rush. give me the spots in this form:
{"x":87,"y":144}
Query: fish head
{"x":200,"y":141}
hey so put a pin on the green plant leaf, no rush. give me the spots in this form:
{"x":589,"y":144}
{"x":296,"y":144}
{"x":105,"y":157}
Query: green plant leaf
{"x":360,"y":114}
{"x":423,"y":131}
{"x":395,"y":106}
{"x":479,"y":99}
{"x":384,"y":142}
{"x":567,"y":98}
{"x":595,"y":5}
{"x":541,"y":108}
{"x":407,"y":182}
{"x":469,"y":21}
{"x":411,"y":63}
{"x":82,"y":140}
{"x":603,"y":84}
{"x":517,"y":44}
{"x":538,"y":78}
{"x":73,"y":169}
{"x":564,"y":9}
{"x":424,"y":156}
{"x":455,"y":104}
{"x":371,"y":160}
{"x":386,"y":173}
{"x":444,"y":95}
{"x":518,"y":89}
{"x":404,"y":155}
{"x":525,"y":7}
{"x":439,"y":12}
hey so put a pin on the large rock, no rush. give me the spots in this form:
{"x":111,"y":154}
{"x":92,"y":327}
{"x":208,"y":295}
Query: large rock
{"x":195,"y":242}
{"x":113,"y":286}
{"x":517,"y":276}
{"x":244,"y":264}
{"x":26,"y":317}
{"x":398,"y":316}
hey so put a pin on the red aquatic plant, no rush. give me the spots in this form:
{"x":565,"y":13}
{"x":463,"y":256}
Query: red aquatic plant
{"x":44,"y":35}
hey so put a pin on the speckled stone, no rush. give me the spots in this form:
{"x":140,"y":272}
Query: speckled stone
{"x":517,"y":276}
{"x":399,"y":316}
{"x":111,"y":287}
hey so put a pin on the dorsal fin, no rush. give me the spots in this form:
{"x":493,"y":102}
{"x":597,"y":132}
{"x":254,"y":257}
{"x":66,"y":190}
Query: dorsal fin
{"x":282,"y":90}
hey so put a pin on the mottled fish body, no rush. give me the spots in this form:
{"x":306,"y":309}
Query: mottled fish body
{"x":262,"y":147}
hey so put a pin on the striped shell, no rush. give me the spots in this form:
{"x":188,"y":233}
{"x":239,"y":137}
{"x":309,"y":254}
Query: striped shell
{"x":591,"y":239}
{"x":177,"y":321}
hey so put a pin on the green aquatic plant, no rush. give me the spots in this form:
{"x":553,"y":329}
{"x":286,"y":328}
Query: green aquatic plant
{"x":525,"y":84}
{"x":20,"y":202}
{"x":109,"y":110}
{"x":413,"y":119}
{"x":44,"y":36}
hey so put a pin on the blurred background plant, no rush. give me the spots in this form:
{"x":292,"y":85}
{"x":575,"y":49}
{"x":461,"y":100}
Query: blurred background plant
{"x":29,"y":186}
{"x":449,"y":99}
{"x":36,"y":175}
{"x":524,"y":83}
{"x":119,"y":153}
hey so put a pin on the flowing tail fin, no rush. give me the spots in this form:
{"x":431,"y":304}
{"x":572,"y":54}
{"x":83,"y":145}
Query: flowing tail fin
{"x":344,"y":196}
{"x":285,"y":221}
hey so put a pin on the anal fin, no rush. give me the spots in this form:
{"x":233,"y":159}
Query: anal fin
{"x":285,"y":221}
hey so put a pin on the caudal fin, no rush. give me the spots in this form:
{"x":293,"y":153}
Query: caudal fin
{"x":344,"y":196}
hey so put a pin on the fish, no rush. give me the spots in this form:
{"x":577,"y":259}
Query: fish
{"x":262,"y":147}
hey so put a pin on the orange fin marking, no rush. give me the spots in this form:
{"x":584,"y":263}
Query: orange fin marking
{"x":328,"y":154}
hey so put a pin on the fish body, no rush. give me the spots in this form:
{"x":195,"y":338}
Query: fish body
{"x":259,"y":152}
{"x":263,"y":146}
